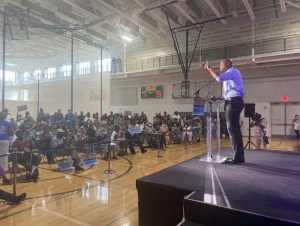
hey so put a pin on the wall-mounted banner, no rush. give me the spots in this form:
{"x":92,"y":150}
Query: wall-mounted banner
{"x":198,"y":106}
{"x":22,"y":108}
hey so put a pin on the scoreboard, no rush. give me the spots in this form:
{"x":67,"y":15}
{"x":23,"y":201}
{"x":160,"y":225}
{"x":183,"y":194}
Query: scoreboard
{"x":155,"y":92}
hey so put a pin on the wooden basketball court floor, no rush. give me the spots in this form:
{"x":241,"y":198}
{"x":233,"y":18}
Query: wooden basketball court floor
{"x":92,"y":197}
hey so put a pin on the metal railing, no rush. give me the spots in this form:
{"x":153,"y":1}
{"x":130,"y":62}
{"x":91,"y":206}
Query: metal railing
{"x":239,"y":50}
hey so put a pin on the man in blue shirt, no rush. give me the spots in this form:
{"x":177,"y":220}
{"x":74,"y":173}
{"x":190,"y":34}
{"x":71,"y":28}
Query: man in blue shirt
{"x":70,"y":117}
{"x":233,"y":93}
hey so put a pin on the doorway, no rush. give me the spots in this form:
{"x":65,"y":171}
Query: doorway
{"x":282,"y":115}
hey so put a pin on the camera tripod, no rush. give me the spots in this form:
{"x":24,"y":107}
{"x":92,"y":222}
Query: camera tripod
{"x":249,"y":142}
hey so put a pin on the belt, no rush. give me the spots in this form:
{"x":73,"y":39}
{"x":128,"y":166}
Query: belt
{"x":234,"y":98}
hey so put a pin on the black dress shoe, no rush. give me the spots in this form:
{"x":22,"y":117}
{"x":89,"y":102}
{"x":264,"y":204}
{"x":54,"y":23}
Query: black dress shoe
{"x":20,"y":198}
{"x":144,"y":151}
{"x":241,"y":161}
{"x":230,"y":161}
{"x":78,"y":168}
{"x":234,"y":161}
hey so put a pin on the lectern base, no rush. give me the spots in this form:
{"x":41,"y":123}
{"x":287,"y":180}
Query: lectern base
{"x":213,"y":159}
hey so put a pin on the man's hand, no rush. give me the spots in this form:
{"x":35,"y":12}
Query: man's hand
{"x":207,"y":66}
{"x":216,"y":98}
{"x":211,"y":71}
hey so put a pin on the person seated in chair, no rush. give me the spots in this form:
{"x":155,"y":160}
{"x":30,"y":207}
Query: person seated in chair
{"x":135,"y":119}
{"x":196,"y":128}
{"x":12,"y":198}
{"x":91,"y":133}
{"x":111,"y":118}
{"x":154,"y":139}
{"x":80,"y":138}
{"x":60,"y":142}
{"x":131,"y":139}
{"x":88,"y":118}
{"x":176,"y":131}
{"x":101,"y":132}
{"x":70,"y":117}
{"x":25,"y":157}
{"x":42,"y":116}
{"x":143,"y":118}
{"x":28,"y":120}
{"x":118,"y":137}
{"x":45,"y":138}
{"x":187,"y":134}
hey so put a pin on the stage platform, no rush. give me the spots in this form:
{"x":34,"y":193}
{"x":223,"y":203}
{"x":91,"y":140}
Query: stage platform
{"x":266,"y":186}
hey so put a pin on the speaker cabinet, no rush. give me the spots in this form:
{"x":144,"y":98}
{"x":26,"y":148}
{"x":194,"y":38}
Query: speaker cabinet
{"x":249,"y":110}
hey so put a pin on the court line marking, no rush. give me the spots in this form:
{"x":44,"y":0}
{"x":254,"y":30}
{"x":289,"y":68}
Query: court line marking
{"x":64,"y":217}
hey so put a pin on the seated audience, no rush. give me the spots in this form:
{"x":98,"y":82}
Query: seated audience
{"x":131,"y":139}
{"x":25,"y":157}
{"x":118,"y":137}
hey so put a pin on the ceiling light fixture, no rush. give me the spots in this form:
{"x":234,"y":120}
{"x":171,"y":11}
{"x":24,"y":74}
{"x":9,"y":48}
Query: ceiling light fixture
{"x":9,"y":64}
{"x":126,"y":38}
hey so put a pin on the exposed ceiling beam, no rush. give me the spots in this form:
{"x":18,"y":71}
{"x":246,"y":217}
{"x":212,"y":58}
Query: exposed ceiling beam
{"x":184,"y":13}
{"x":164,"y":7}
{"x":282,"y":6}
{"x":125,"y":16}
{"x":234,"y":13}
{"x":275,"y":8}
{"x":194,"y":8}
{"x":249,"y":9}
{"x":224,"y":5}
{"x":215,"y":10}
{"x":99,"y":27}
{"x":293,"y":4}
{"x":153,"y":13}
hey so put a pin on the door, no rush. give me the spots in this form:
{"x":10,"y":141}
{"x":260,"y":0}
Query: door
{"x":282,"y":115}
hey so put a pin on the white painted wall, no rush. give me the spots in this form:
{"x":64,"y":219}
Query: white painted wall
{"x":263,"y":86}
{"x":56,"y":95}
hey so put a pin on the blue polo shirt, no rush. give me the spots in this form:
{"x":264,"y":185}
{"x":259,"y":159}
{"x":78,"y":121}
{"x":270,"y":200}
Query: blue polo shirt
{"x":232,"y":83}
{"x":5,"y":127}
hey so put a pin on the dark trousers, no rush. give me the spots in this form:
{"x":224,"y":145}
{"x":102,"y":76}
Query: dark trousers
{"x":9,"y":197}
{"x":233,"y":110}
{"x":28,"y":160}
{"x":131,"y":148}
{"x":297,"y":134}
